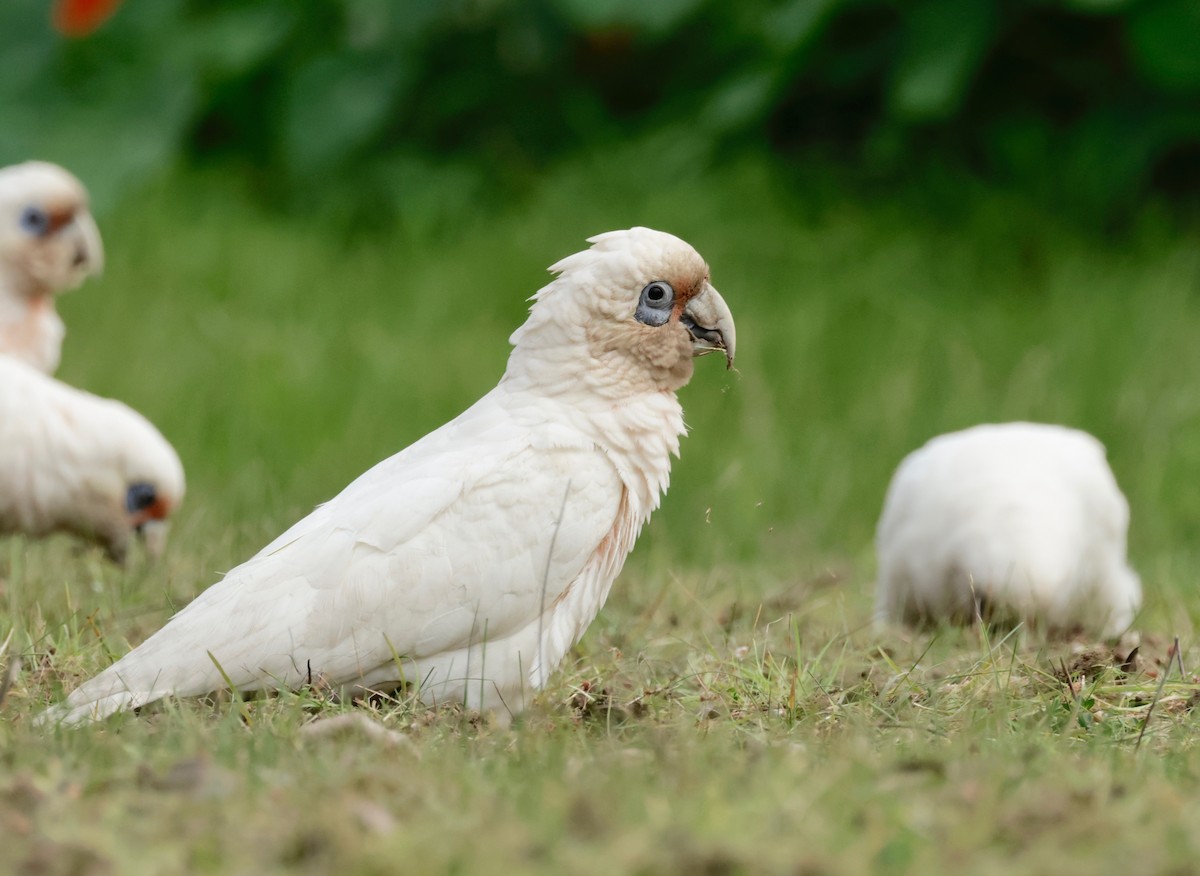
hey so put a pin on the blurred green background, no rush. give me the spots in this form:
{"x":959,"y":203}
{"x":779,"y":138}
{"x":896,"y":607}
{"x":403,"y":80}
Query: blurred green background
{"x":396,"y":108}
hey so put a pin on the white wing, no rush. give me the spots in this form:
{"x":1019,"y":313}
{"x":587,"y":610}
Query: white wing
{"x":462,"y":538}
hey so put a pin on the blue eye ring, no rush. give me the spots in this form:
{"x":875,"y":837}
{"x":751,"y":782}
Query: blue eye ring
{"x":655,"y":303}
{"x":140,"y":496}
{"x":36,"y":221}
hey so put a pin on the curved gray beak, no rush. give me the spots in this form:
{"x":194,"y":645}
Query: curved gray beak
{"x":708,"y":318}
{"x":154,"y":537}
{"x":89,"y":248}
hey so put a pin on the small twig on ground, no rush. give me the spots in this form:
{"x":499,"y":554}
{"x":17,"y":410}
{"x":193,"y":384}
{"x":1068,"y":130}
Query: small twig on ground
{"x":1076,"y":705}
{"x":1067,"y":680}
{"x":1162,"y":681}
{"x":358,"y":723}
{"x":1129,"y":664}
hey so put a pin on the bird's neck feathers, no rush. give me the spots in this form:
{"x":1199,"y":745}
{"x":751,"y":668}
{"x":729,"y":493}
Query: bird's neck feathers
{"x":639,"y":435}
{"x":19,"y":286}
{"x":571,"y":368}
{"x":30,"y":328}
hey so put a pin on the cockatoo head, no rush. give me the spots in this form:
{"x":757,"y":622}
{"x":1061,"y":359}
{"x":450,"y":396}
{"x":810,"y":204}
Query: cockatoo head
{"x":639,"y":305}
{"x":138,"y":489}
{"x":48,"y":239}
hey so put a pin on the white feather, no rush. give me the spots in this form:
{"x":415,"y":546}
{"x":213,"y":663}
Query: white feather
{"x":1025,"y":518}
{"x":469,"y":563}
{"x":68,"y":458}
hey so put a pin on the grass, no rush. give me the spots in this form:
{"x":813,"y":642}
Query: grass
{"x":730,"y":710}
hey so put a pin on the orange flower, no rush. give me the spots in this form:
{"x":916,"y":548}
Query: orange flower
{"x":78,"y":18}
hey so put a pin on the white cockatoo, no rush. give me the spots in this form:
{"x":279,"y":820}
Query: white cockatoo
{"x":49,"y":243}
{"x":1015,"y":521}
{"x":469,"y":563}
{"x":73,"y":462}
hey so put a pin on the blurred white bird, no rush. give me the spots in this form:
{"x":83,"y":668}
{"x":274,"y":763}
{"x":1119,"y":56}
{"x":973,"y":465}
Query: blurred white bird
{"x":468,"y":564}
{"x":1017,"y":522}
{"x":48,"y":243}
{"x":73,"y":462}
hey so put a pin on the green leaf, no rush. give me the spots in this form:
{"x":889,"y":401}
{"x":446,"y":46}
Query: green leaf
{"x":231,"y":42}
{"x":795,"y":25}
{"x":1098,"y":7}
{"x":655,"y":16}
{"x":1112,"y":149}
{"x":112,"y":125}
{"x":944,"y":44}
{"x":740,"y":102}
{"x":335,"y":104}
{"x":1164,"y":39}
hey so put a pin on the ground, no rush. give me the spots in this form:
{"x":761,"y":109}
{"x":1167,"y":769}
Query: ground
{"x":731,"y":710}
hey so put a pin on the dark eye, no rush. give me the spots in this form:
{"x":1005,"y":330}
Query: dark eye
{"x":140,"y":496}
{"x":654,"y":307}
{"x":35,"y":221}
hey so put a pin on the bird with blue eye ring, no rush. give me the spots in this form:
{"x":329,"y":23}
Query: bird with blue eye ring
{"x":36,"y":221}
{"x":654,"y":306}
{"x":49,"y":243}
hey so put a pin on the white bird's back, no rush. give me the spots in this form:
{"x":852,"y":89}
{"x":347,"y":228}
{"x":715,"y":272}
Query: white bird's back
{"x":68,"y":461}
{"x":1022,"y":519}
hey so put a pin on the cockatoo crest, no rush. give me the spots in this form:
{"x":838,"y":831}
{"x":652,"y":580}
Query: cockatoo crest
{"x":595,"y":307}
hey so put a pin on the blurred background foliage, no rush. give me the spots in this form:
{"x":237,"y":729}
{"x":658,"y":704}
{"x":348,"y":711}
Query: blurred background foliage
{"x":383,"y":107}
